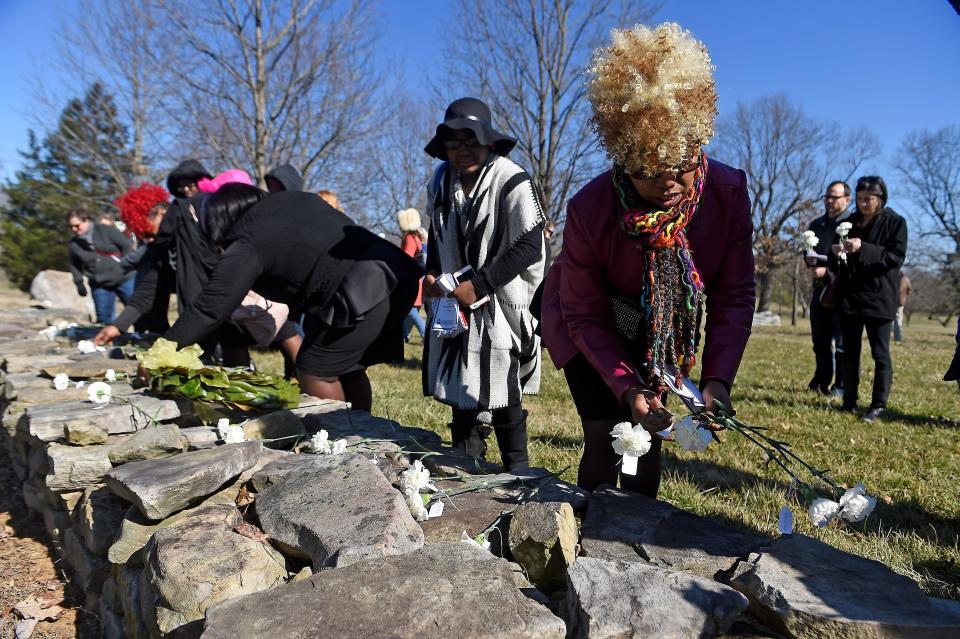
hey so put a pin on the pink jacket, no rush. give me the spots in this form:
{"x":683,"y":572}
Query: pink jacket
{"x":596,"y":257}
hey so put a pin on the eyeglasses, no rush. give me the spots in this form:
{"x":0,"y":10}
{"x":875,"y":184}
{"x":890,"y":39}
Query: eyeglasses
{"x":453,"y":145}
{"x":76,"y":226}
{"x":834,"y":197}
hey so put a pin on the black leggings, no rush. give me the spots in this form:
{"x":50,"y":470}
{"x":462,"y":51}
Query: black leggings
{"x":599,"y":412}
{"x":878,"y":334}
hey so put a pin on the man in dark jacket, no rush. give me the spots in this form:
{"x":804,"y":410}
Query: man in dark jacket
{"x":868,"y":263}
{"x":825,"y":326}
{"x":284,"y":178}
{"x":95,"y":251}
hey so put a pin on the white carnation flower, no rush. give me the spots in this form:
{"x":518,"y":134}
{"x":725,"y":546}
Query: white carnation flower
{"x":856,"y":505}
{"x":415,"y":504}
{"x":110,"y":375}
{"x":230,"y":433}
{"x":416,"y":477}
{"x":690,"y":436}
{"x":80,"y":384}
{"x":843,"y":229}
{"x":99,"y":393}
{"x":339,"y":446}
{"x":86,"y":346}
{"x":61,"y":382}
{"x":320,"y":443}
{"x":822,"y":512}
{"x":630,"y":440}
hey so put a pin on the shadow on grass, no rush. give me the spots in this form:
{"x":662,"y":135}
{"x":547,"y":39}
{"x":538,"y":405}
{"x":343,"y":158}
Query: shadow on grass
{"x":911,"y":517}
{"x":558,"y":440}
{"x":410,"y":363}
{"x":707,"y":475}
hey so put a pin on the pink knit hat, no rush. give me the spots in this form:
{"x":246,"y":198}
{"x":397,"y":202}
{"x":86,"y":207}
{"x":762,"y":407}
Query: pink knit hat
{"x":227,"y":177}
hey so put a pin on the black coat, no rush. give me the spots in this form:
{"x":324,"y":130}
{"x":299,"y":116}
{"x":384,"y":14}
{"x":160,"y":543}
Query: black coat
{"x":98,"y":258}
{"x":870,"y":278}
{"x":180,"y":259}
{"x":292,"y":248}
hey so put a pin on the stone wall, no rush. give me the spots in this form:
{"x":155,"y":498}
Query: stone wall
{"x":171,"y":532}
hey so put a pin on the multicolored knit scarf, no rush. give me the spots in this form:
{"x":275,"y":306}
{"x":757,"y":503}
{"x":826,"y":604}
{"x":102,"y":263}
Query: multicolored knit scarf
{"x":672,"y":291}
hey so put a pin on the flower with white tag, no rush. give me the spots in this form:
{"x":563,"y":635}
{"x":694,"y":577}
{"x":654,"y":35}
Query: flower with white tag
{"x":631,"y":442}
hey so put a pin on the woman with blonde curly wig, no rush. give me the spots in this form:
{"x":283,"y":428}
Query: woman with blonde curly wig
{"x":648,"y":245}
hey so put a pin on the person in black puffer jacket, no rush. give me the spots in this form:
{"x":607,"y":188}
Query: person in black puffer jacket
{"x":95,"y":252}
{"x":868,"y":264}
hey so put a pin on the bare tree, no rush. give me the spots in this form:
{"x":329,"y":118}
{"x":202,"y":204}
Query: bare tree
{"x":112,"y":44}
{"x":398,"y":167}
{"x":526,"y":58}
{"x":264,"y":82}
{"x":788,"y":157}
{"x":929,"y":162}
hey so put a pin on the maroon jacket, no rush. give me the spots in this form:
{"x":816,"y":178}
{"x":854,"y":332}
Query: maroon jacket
{"x":597,"y":257}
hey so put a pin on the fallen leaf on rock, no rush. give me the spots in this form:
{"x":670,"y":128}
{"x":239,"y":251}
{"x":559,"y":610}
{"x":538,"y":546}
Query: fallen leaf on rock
{"x":42,"y":607}
{"x":251,"y":532}
{"x":244,"y":498}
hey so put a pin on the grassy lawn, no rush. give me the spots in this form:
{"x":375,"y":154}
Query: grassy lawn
{"x":911,"y":462}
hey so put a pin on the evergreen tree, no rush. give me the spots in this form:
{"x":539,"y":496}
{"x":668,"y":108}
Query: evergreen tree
{"x":85,"y":162}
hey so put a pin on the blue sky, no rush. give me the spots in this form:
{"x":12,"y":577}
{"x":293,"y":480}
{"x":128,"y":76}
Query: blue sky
{"x":884,"y":64}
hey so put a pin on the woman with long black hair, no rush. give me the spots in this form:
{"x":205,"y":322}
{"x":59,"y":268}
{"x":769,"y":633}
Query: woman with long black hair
{"x":291,"y":247}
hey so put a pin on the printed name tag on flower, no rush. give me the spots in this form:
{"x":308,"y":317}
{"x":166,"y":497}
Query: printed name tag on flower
{"x":435,"y":510}
{"x":629,"y":466}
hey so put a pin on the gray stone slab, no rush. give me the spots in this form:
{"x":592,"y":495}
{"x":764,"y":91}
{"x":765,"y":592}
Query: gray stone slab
{"x":543,"y":538}
{"x":89,"y":570}
{"x":613,"y":599}
{"x":45,"y":422}
{"x":72,"y":468}
{"x":282,"y":427}
{"x":336,"y":512}
{"x":438,"y":592}
{"x":136,"y":530}
{"x":629,"y":526}
{"x":154,"y":442}
{"x":472,"y":512}
{"x":93,"y":368}
{"x":199,"y":561}
{"x":276,"y":469}
{"x":805,"y":588}
{"x":161,"y":487}
{"x":97,"y":518}
{"x":201,"y":437}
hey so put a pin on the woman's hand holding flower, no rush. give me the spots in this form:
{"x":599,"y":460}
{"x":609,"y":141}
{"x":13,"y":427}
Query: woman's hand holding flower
{"x":852,"y":245}
{"x":647,"y":410}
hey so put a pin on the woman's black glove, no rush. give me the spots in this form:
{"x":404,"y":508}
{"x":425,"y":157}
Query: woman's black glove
{"x":81,"y":289}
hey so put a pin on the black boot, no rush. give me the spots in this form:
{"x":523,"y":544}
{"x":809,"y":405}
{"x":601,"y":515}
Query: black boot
{"x":470,"y":438}
{"x":512,"y":439}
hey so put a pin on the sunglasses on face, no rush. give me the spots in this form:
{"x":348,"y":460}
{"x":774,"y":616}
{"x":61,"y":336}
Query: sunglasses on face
{"x":453,"y":145}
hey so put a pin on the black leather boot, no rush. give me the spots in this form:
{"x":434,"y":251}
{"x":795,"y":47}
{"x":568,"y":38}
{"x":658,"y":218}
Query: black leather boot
{"x":470,"y":438}
{"x":512,"y":439}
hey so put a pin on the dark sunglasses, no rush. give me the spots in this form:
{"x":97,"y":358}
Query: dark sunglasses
{"x":453,"y":145}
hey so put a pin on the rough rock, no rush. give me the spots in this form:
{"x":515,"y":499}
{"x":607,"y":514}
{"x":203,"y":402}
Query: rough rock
{"x":200,"y":560}
{"x":201,"y":437}
{"x":161,"y":487}
{"x":276,"y":469}
{"x":76,"y":467}
{"x":336,"y":512}
{"x":629,"y":526}
{"x":803,"y":587}
{"x":766,"y":318}
{"x":451,"y":462}
{"x":630,"y":599}
{"x":85,"y":433}
{"x":281,"y":425}
{"x":56,"y":289}
{"x":472,"y":512}
{"x":89,"y":570}
{"x":543,"y":539}
{"x":98,"y":516}
{"x":56,"y":523}
{"x":155,"y":442}
{"x":441,"y":591}
{"x":339,"y":421}
{"x":45,"y":422}
{"x":136,"y":530}
{"x":128,"y":592}
{"x":540,"y":485}
{"x":95,"y":367}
